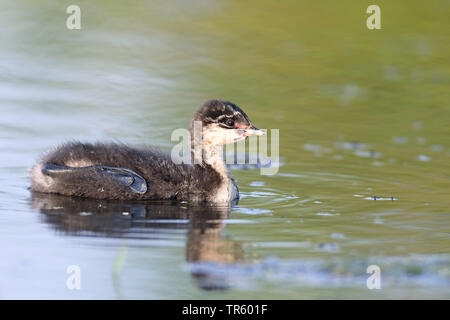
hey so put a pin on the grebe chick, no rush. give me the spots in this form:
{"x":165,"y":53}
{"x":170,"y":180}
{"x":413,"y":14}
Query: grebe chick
{"x":119,"y":172}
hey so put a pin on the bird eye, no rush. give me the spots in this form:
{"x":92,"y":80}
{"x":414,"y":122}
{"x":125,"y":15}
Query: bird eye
{"x":230,"y":122}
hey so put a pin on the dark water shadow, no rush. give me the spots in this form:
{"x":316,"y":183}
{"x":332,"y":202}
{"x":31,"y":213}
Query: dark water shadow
{"x":205,"y":242}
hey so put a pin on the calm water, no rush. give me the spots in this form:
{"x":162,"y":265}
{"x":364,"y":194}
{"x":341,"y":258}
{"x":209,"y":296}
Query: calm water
{"x":361,"y":113}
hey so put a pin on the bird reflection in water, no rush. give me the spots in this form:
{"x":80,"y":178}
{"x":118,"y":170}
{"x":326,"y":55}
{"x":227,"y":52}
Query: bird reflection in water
{"x":205,"y":242}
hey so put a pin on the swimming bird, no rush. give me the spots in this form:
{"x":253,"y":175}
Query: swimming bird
{"x":114,"y":171}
